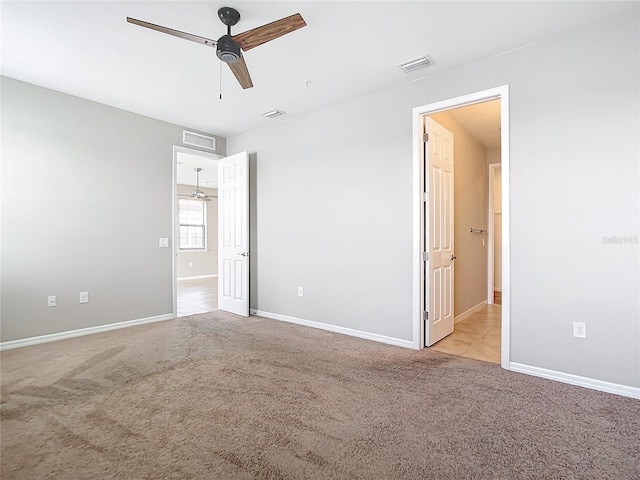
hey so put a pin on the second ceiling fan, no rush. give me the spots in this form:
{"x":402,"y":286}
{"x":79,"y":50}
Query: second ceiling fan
{"x":198,"y":194}
{"x":228,"y":47}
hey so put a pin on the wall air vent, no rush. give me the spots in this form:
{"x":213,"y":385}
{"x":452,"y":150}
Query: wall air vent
{"x":198,"y":140}
{"x":416,"y":63}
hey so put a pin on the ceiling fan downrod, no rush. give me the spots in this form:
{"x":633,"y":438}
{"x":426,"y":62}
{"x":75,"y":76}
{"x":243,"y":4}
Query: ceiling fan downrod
{"x":198,"y":170}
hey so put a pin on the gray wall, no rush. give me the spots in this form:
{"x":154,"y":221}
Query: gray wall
{"x":202,"y":262}
{"x":469,"y":210}
{"x":86,"y":193}
{"x":333,"y":203}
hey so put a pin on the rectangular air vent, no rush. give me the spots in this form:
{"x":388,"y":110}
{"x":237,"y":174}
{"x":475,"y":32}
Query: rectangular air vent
{"x":198,"y":140}
{"x":273,"y":113}
{"x":416,"y":63}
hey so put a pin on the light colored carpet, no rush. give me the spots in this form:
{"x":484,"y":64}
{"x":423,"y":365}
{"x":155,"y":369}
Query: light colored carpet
{"x":215,"y":396}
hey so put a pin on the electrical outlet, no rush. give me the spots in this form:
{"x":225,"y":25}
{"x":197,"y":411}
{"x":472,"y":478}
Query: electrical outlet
{"x":300,"y":291}
{"x":191,"y":264}
{"x":579,"y":329}
{"x":51,"y":301}
{"x":84,"y":297}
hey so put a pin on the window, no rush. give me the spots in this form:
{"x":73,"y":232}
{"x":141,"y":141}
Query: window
{"x":193,"y":225}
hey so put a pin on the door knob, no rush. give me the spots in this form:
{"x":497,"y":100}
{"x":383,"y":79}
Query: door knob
{"x":244,"y":254}
{"x":453,"y":257}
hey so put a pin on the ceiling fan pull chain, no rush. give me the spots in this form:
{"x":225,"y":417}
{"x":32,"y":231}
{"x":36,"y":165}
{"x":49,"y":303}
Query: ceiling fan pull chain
{"x":220,"y":83}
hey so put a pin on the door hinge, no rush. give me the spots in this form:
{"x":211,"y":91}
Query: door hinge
{"x":425,"y":256}
{"x":425,"y":196}
{"x":426,"y":137}
{"x":426,"y":315}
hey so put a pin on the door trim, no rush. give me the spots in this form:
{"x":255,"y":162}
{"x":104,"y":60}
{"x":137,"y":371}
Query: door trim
{"x":418,"y":115}
{"x":174,"y":217}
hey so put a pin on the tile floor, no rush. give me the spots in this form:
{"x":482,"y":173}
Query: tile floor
{"x":197,"y":296}
{"x":476,"y":337}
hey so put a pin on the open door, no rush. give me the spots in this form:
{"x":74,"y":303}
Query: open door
{"x":439,"y":265}
{"x":233,"y":234}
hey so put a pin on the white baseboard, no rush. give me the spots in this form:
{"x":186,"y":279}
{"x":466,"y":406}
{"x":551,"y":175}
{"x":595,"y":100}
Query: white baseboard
{"x":624,"y":390}
{"x":471,"y":311}
{"x":25,"y":342}
{"x":334,"y":328}
{"x":197,"y":277}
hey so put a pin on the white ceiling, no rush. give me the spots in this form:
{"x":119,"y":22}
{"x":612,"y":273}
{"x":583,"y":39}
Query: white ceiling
{"x":88,"y":49}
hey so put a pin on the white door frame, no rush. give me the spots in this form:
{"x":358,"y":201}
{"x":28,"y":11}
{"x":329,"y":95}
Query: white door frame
{"x":491,"y":233}
{"x":419,"y":225}
{"x":174,"y":218}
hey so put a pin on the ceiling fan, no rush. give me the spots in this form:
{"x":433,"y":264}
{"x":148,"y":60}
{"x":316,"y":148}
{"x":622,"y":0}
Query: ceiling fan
{"x":228,"y":47}
{"x":198,"y":194}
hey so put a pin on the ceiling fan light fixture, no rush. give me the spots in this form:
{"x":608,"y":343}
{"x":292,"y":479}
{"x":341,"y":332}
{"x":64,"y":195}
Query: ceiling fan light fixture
{"x":273,"y":113}
{"x":416,"y":64}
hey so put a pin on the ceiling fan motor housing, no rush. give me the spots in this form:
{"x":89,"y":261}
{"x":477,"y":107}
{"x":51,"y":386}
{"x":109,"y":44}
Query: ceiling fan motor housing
{"x":228,"y":50}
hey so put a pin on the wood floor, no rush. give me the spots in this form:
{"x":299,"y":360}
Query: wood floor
{"x":197,"y":296}
{"x":476,"y":337}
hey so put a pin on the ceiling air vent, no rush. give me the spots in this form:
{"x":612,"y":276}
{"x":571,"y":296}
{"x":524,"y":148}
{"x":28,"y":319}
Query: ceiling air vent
{"x":416,"y":63}
{"x":273,"y":113}
{"x":198,"y":140}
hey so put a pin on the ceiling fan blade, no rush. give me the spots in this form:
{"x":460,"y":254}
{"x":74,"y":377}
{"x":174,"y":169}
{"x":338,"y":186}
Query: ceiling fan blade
{"x":257,"y":36}
{"x":176,"y":33}
{"x":241,"y":72}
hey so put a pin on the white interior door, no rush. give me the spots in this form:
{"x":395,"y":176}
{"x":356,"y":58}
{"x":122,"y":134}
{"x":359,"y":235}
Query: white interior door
{"x":233,"y":234}
{"x":439,"y":266}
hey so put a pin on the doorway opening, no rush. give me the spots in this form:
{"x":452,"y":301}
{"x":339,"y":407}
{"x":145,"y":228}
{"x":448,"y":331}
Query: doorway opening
{"x":452,"y":257}
{"x":195,"y":232}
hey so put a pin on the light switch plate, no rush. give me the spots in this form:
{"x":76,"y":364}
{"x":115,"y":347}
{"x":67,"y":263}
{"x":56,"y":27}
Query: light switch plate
{"x":84,"y":297}
{"x":163,"y":243}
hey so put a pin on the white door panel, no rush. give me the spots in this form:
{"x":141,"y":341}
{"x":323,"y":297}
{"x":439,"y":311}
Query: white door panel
{"x":233,"y":234}
{"x":439,"y":268}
